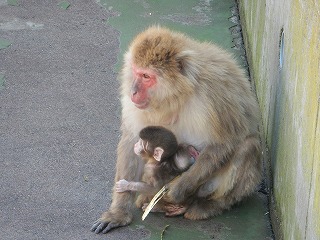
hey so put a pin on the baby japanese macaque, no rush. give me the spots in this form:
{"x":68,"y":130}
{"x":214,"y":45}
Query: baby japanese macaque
{"x":164,"y":160}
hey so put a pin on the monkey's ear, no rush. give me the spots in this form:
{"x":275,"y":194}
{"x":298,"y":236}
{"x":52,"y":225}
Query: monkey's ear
{"x":158,"y":151}
{"x":188,"y":67}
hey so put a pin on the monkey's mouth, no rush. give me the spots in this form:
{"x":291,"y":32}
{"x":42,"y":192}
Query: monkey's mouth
{"x":143,"y":105}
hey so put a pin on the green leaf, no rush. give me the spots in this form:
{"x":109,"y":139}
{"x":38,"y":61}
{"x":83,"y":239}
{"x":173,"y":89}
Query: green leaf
{"x":4,"y":43}
{"x":12,"y":2}
{"x":64,"y":5}
{"x":1,"y":81}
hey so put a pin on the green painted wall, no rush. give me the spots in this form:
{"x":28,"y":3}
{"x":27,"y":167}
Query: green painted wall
{"x":289,"y":97}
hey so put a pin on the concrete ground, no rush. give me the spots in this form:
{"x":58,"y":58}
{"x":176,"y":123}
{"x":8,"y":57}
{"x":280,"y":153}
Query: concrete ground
{"x":60,"y":116}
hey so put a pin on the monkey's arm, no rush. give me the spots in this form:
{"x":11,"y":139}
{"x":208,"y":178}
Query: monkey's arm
{"x":141,"y":187}
{"x":128,"y":167}
{"x":210,"y":160}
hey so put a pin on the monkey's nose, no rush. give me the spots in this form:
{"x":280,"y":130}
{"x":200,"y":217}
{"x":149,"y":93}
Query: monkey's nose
{"x":134,"y":92}
{"x":134,"y":88}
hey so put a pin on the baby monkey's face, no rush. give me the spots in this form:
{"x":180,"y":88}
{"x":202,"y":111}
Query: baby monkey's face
{"x":145,"y":150}
{"x":140,"y":147}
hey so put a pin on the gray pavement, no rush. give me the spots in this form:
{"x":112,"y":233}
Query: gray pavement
{"x":59,"y":119}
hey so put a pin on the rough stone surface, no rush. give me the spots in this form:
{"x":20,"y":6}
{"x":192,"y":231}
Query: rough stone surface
{"x":59,"y":118}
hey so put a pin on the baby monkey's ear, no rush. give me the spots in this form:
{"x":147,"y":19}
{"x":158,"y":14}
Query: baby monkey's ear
{"x":158,"y":151}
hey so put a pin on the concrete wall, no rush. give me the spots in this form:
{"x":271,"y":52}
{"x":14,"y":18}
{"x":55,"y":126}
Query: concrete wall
{"x":286,"y":75}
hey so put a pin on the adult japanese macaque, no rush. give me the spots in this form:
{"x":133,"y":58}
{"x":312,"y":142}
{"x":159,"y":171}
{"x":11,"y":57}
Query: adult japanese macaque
{"x":164,"y":160}
{"x":196,"y":90}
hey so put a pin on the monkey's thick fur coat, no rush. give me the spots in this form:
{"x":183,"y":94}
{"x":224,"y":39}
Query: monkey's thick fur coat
{"x":206,"y":100}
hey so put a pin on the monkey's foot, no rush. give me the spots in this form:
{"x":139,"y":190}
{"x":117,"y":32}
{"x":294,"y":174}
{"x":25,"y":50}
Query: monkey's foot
{"x":174,"y":209}
{"x":203,"y":209}
{"x":110,"y":220}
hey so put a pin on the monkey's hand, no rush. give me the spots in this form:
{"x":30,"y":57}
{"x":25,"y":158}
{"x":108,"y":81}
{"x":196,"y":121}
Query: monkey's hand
{"x":174,"y":209}
{"x":178,"y":190}
{"x":122,"y":186}
{"x":110,"y":220}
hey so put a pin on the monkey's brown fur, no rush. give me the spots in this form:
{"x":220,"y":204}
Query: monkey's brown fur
{"x":157,"y":136}
{"x":156,"y":174}
{"x":164,"y":160}
{"x":205,"y":99}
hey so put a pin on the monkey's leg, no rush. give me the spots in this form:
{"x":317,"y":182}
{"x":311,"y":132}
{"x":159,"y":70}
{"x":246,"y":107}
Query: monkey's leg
{"x":238,"y":181}
{"x":203,"y":208}
{"x":210,"y":160}
{"x":128,"y":167}
{"x":141,"y":200}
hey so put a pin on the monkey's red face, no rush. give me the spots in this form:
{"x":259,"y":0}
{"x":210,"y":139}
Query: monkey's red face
{"x":144,"y":80}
